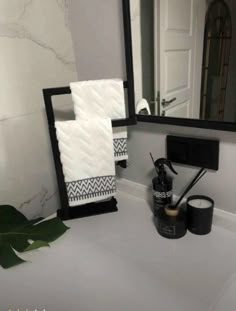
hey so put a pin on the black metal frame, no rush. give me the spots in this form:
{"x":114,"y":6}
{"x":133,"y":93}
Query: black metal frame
{"x":66,"y":212}
{"x":214,"y":125}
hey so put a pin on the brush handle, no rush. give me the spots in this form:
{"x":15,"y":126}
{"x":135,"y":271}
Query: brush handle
{"x":196,"y":179}
{"x":154,"y":163}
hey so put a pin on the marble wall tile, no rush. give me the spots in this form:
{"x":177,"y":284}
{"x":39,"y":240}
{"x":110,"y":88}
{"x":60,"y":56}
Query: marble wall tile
{"x":27,"y":179}
{"x":36,"y":52}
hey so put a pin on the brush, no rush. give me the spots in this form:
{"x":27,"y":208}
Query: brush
{"x":196,"y":179}
{"x":154,"y":163}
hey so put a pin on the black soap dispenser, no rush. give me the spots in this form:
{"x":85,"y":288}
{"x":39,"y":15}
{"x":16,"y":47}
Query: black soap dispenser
{"x":162,"y":185}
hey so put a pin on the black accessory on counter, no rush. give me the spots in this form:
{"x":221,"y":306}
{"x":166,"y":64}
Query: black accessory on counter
{"x":162,"y":185}
{"x":200,"y":214}
{"x":171,"y":222}
{"x":194,"y":151}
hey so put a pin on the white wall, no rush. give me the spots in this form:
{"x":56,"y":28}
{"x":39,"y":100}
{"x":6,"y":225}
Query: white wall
{"x":96,"y":28}
{"x":35,"y":53}
{"x":146,"y":137}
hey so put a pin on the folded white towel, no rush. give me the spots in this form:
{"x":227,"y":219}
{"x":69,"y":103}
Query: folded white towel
{"x":120,"y":143}
{"x":87,"y":158}
{"x":143,"y":105}
{"x":105,"y":99}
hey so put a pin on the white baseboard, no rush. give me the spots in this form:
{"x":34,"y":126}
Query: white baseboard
{"x":137,"y":190}
{"x":222,"y":218}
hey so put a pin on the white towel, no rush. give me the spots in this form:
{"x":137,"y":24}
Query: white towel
{"x":87,"y":158}
{"x":143,"y":105}
{"x":120,"y":143}
{"x":105,"y":99}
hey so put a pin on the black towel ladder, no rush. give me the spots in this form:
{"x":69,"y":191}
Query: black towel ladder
{"x":66,"y":212}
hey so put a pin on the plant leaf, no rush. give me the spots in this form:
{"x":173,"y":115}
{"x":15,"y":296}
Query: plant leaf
{"x":8,"y":258}
{"x":35,"y":221}
{"x":36,"y":245}
{"x":18,"y":243}
{"x":49,"y":230}
{"x":9,"y":216}
{"x":16,"y":231}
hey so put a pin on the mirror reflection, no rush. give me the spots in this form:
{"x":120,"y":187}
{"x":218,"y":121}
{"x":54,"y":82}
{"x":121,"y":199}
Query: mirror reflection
{"x":184,"y":64}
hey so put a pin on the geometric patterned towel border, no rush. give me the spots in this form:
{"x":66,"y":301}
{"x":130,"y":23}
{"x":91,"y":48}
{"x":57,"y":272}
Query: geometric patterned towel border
{"x":90,"y":188}
{"x":120,"y":147}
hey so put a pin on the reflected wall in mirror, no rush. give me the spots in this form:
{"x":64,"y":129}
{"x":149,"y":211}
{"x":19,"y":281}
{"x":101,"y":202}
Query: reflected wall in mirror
{"x":184,"y":62}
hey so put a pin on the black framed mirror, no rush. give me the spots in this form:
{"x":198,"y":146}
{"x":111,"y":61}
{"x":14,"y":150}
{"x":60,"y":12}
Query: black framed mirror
{"x":183,"y":61}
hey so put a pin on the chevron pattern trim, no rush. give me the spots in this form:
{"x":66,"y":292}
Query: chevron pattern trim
{"x":120,"y":147}
{"x":91,"y":188}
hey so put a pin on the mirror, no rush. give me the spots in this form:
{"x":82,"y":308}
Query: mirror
{"x":184,"y":59}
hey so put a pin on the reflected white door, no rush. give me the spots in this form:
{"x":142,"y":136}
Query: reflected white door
{"x":176,"y":59}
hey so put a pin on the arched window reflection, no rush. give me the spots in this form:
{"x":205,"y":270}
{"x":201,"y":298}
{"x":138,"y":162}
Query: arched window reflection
{"x":216,"y":56}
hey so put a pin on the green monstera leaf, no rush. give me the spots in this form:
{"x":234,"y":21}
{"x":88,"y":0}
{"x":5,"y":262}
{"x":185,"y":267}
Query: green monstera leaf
{"x":19,"y":234}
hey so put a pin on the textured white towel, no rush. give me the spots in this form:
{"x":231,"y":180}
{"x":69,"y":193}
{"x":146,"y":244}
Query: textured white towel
{"x":105,"y":99}
{"x":143,"y":105}
{"x":87,"y":158}
{"x":120,"y":143}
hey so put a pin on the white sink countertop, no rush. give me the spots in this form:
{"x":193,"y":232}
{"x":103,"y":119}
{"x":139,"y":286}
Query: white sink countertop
{"x":119,"y":262}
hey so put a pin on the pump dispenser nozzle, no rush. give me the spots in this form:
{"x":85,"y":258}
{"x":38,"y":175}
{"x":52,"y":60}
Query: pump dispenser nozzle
{"x":160,"y":165}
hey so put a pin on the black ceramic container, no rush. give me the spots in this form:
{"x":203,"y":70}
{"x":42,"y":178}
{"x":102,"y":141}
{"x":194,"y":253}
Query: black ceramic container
{"x":199,"y":217}
{"x":171,"y":227}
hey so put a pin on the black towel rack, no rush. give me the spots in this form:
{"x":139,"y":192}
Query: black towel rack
{"x":66,"y":212}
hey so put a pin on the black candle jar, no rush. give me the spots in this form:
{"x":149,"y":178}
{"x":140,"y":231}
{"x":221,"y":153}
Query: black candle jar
{"x":171,"y":226}
{"x":200,"y":214}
